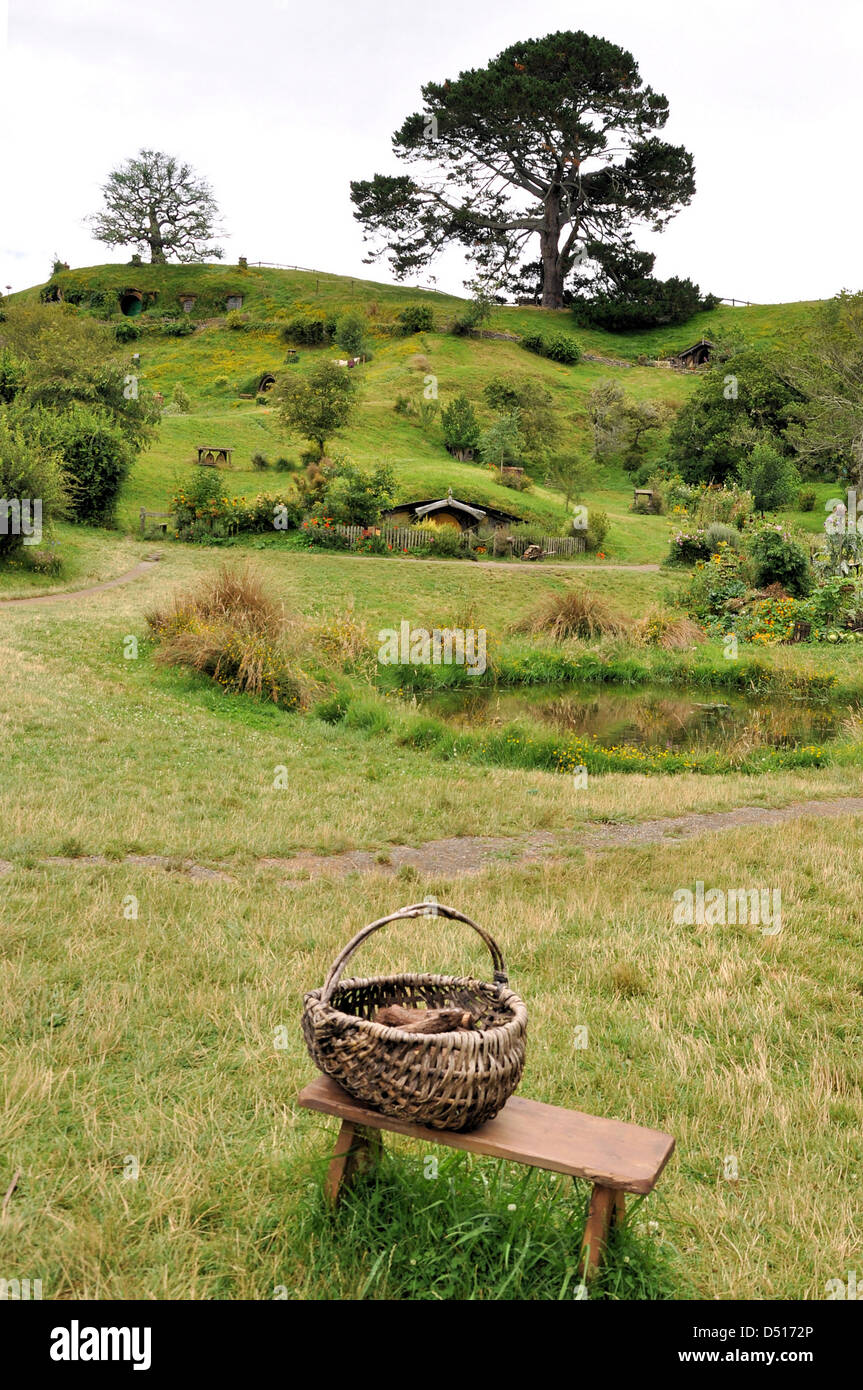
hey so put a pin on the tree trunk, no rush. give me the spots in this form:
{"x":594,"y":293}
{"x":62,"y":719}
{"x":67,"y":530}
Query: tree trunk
{"x":552,"y":267}
{"x":157,"y":250}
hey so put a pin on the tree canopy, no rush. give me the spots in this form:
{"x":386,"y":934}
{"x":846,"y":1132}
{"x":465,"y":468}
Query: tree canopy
{"x":157,"y":203}
{"x":554,"y":140}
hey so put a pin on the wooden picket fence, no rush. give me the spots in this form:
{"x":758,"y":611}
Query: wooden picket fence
{"x":414,"y":537}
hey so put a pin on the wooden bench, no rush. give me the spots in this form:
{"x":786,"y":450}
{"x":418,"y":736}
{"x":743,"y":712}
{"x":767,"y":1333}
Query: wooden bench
{"x":616,"y":1157}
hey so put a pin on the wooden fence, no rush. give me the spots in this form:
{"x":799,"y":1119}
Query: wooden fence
{"x":414,"y":537}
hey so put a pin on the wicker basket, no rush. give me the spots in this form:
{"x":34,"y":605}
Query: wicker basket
{"x":451,"y":1080}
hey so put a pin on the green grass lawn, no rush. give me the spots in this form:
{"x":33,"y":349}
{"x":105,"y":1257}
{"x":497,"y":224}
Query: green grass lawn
{"x":152,"y":1036}
{"x":147,"y":1108}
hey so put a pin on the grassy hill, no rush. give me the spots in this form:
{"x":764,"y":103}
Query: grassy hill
{"x":216,"y":363}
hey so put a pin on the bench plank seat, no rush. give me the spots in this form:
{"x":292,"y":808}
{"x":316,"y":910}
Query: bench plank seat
{"x":610,"y":1153}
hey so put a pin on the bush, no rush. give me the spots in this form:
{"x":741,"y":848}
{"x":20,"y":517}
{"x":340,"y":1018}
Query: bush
{"x":260,"y":462}
{"x":310,"y":328}
{"x":416,"y":318}
{"x":235,"y":319}
{"x":670,"y":631}
{"x":644,"y":302}
{"x":220,"y":383}
{"x":778,"y":559}
{"x":806,"y":499}
{"x":446,"y":541}
{"x":351,"y":335}
{"x":231,"y":630}
{"x":181,"y":399}
{"x":127,"y":331}
{"x":460,"y":427}
{"x":354,"y":496}
{"x":96,"y":457}
{"x":29,"y":471}
{"x":575,"y":613}
{"x":560,"y":347}
{"x":597,"y":529}
{"x":718,"y":533}
{"x":203,"y":511}
{"x":715,"y":584}
{"x":178,"y":327}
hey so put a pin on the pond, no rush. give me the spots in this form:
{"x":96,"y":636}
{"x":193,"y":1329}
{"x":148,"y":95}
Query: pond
{"x":647,"y":717}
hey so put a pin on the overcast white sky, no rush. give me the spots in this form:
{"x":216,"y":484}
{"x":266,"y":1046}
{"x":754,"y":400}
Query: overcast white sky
{"x":280,"y":103}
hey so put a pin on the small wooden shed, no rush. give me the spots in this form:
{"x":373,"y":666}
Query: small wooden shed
{"x":696,"y":356}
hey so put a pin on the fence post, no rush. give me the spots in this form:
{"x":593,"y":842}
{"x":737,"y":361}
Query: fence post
{"x":143,"y":519}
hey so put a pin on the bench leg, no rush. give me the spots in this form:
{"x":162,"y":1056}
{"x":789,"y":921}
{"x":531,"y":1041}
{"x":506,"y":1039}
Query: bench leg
{"x":607,"y":1206}
{"x":356,"y":1150}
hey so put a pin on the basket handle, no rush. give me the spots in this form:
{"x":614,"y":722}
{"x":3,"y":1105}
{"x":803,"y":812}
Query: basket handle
{"x":415,"y":910}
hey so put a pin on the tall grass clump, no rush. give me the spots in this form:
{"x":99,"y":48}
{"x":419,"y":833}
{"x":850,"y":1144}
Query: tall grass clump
{"x":231,"y":629}
{"x":575,"y":613}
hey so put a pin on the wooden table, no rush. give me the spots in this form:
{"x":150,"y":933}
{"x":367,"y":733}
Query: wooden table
{"x":615,"y":1156}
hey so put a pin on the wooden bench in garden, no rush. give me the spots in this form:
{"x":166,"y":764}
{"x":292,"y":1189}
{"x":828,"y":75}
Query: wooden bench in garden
{"x":615,"y":1156}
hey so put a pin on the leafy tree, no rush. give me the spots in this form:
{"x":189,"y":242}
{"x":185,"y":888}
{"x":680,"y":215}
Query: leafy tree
{"x":95,"y":455}
{"x":354,"y":496}
{"x":769,"y":475}
{"x":606,"y":411}
{"x":642,"y":418}
{"x":351,"y":334}
{"x":827,"y":374}
{"x":554,"y":140}
{"x":65,"y":362}
{"x":527,"y":398}
{"x":29,"y":472}
{"x":570,"y":474}
{"x":157,"y":203}
{"x":319,"y":405}
{"x":735,"y":404}
{"x":503,"y":443}
{"x":460,"y":427}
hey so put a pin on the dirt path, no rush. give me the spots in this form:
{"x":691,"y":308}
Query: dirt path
{"x":470,"y":854}
{"x":66,"y":595}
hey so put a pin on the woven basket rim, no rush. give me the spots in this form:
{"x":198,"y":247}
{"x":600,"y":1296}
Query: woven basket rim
{"x":516,"y":1024}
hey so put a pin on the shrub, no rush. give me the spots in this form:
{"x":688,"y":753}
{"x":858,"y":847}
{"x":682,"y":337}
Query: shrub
{"x":446,"y":541}
{"x":715,"y":584}
{"x":29,"y":470}
{"x":560,"y":347}
{"x":597,"y":529}
{"x":575,"y":613}
{"x":312,"y":329}
{"x":673,"y":632}
{"x":416,"y":318}
{"x":354,"y":496}
{"x":644,"y":302}
{"x":127,"y":331}
{"x":220,"y":383}
{"x":230,"y":629}
{"x":769,"y":475}
{"x":181,"y":399}
{"x":778,"y":559}
{"x":236,"y":320}
{"x":460,"y":427}
{"x":806,"y":499}
{"x":96,"y":457}
{"x":260,"y":462}
{"x":717,"y":534}
{"x":179,"y":327}
{"x":351,"y":334}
